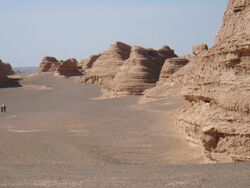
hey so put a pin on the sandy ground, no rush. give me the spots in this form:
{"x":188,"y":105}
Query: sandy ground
{"x":55,"y":134}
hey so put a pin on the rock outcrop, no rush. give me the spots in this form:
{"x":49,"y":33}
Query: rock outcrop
{"x":87,"y":64}
{"x":68,"y":67}
{"x":218,"y":89}
{"x":105,"y":66}
{"x":5,"y":71}
{"x":200,"y":49}
{"x":48,"y":64}
{"x":139,"y":72}
{"x":64,"y":68}
{"x":171,"y":80}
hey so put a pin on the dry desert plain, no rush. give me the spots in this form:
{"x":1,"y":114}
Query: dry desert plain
{"x":58,"y":133}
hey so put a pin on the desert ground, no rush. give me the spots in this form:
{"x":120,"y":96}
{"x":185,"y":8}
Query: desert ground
{"x":58,"y":133}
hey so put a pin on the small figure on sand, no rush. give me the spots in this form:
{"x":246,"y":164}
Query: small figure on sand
{"x":3,"y":108}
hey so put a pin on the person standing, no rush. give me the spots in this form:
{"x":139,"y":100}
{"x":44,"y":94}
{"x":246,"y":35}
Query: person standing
{"x":4,"y":108}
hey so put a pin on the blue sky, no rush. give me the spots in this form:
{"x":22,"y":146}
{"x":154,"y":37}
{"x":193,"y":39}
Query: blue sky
{"x":32,"y":29}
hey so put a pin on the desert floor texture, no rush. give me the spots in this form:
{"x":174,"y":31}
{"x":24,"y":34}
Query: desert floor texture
{"x":57,"y":133}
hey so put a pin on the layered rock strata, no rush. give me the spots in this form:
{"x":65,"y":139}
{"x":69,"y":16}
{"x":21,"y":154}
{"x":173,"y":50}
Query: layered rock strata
{"x":170,"y":82}
{"x":219,"y":91}
{"x":103,"y":67}
{"x":64,"y":68}
{"x":138,"y":73}
{"x":86,"y":64}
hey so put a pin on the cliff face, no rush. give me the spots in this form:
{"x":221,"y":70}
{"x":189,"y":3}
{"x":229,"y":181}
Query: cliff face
{"x":219,"y":91}
{"x":236,"y":25}
{"x":64,"y":68}
{"x":102,"y":68}
{"x":5,"y":70}
{"x":139,"y":72}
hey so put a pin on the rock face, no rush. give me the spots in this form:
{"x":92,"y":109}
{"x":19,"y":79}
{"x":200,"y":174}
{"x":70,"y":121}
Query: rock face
{"x":219,"y":91}
{"x":236,"y":26}
{"x":87,"y":64}
{"x":5,"y":70}
{"x":48,"y":64}
{"x":105,"y":66}
{"x":68,"y":68}
{"x":140,"y":72}
{"x":65,"y":68}
{"x":200,"y":49}
{"x":170,"y":82}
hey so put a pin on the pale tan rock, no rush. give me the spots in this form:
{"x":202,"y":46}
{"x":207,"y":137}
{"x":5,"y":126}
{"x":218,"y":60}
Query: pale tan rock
{"x":64,"y":68}
{"x":68,"y":67}
{"x":88,"y":63}
{"x":200,"y":49}
{"x":219,"y":91}
{"x":48,"y":64}
{"x":138,"y":73}
{"x":170,"y":82}
{"x":104,"y":67}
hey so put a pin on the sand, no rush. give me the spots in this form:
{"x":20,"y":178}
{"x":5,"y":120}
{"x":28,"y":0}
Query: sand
{"x":55,"y":134}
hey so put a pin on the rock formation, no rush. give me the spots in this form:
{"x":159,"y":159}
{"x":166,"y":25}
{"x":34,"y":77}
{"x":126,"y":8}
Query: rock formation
{"x":87,"y":64}
{"x":218,"y":89}
{"x":48,"y":64}
{"x":105,"y":66}
{"x":64,"y":68}
{"x":170,"y":82}
{"x":68,"y":67}
{"x":5,"y":71}
{"x":200,"y":49}
{"x":138,"y":73}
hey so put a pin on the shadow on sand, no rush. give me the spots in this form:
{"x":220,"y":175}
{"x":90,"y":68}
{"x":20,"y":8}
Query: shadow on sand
{"x":11,"y":83}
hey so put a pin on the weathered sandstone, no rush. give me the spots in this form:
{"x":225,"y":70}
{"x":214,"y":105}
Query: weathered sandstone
{"x":138,"y":73}
{"x":87,"y":64}
{"x":105,"y":66}
{"x":64,"y":68}
{"x":170,"y":82}
{"x":68,"y":67}
{"x":219,"y":91}
{"x":200,"y":49}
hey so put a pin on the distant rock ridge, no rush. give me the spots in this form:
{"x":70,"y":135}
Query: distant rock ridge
{"x":139,"y":72}
{"x":125,"y":70}
{"x":5,"y":71}
{"x":68,"y":67}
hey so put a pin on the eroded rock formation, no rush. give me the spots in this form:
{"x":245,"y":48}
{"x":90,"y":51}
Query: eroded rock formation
{"x":219,"y":91}
{"x":170,"y":82}
{"x":5,"y":71}
{"x":64,"y":68}
{"x":105,"y":66}
{"x":87,"y":64}
{"x":139,"y":72}
{"x":200,"y":49}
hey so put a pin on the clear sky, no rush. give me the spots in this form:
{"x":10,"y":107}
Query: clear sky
{"x":32,"y":29}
